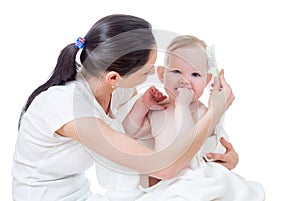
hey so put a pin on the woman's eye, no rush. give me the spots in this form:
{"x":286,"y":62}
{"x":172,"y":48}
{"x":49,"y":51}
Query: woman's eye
{"x":176,"y":71}
{"x":196,"y":75}
{"x":147,"y":73}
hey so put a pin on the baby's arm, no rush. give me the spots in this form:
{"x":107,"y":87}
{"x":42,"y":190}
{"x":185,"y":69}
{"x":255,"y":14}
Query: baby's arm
{"x":136,"y":123}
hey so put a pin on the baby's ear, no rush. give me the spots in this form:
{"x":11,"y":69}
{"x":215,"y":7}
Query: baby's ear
{"x":161,"y":73}
{"x":208,"y":78}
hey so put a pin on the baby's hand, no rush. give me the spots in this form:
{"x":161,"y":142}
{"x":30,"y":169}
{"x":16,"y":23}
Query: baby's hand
{"x":152,"y":97}
{"x":185,"y":96}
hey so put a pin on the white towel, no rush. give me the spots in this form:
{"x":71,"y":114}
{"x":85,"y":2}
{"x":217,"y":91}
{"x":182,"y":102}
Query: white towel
{"x":211,"y":181}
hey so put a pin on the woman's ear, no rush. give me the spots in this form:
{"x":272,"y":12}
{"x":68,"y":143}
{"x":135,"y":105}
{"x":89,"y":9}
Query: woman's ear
{"x":112,"y":78}
{"x":208,"y":78}
{"x":161,"y":73}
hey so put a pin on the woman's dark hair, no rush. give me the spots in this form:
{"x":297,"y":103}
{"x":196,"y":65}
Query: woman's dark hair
{"x":120,"y":43}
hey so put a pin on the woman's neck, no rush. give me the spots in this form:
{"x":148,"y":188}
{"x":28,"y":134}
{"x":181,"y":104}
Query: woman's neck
{"x":102,"y":91}
{"x":104,"y":101}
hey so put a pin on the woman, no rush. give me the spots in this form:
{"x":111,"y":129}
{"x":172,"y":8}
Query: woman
{"x":66,"y":122}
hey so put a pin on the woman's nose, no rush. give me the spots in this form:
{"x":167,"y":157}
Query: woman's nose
{"x":152,"y":72}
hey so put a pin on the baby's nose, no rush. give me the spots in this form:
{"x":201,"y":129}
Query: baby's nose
{"x":184,"y":81}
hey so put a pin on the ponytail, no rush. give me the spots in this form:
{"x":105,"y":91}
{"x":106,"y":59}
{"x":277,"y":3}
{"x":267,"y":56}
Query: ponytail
{"x":120,"y":43}
{"x":64,"y":71}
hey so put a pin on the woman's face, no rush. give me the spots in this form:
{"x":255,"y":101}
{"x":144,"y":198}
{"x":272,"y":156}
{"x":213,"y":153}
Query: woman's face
{"x":141,"y":75}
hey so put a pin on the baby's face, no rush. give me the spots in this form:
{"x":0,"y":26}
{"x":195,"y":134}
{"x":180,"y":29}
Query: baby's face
{"x":186,"y":68}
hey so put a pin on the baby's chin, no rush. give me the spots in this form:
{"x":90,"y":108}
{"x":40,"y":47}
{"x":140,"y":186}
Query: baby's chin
{"x":175,"y":92}
{"x":187,"y":87}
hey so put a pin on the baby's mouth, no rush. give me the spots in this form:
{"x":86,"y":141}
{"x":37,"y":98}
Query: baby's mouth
{"x":183,"y":87}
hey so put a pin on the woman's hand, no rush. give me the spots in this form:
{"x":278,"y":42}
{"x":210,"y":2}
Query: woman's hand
{"x":221,"y":96}
{"x":229,"y":159}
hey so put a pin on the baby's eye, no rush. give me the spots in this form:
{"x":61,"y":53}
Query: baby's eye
{"x":176,"y":71}
{"x":196,"y":75}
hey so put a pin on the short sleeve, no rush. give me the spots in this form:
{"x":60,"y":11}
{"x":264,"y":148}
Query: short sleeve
{"x":122,"y":102}
{"x":58,"y":107}
{"x":67,"y":103}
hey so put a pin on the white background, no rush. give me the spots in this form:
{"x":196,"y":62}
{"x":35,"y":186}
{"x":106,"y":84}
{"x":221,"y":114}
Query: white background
{"x":257,"y":43}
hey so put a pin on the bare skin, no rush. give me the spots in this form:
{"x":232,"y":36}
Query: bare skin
{"x":107,"y":142}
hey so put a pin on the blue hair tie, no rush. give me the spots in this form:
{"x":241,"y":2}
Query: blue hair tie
{"x":80,"y":43}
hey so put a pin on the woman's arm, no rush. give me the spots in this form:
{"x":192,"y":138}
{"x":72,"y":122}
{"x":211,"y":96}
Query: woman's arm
{"x":119,"y":148}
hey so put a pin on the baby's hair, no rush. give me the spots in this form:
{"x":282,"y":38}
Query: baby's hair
{"x":183,"y":41}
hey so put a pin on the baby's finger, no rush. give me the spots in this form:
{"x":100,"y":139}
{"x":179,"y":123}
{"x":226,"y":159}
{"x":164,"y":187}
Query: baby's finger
{"x":153,"y":89}
{"x":216,"y":157}
{"x":159,"y":96}
{"x":158,"y":107}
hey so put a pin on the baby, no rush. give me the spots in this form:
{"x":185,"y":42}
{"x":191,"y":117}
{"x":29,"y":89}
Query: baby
{"x":157,"y":121}
{"x":185,"y":77}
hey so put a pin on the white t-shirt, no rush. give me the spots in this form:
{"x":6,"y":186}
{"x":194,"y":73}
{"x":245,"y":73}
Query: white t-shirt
{"x":47,"y":166}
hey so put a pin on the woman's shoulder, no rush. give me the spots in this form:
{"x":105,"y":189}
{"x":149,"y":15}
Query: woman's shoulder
{"x":61,"y":90}
{"x":68,"y":92}
{"x":54,"y":94}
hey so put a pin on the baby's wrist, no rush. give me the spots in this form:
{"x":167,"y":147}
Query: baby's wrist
{"x":143,"y":105}
{"x":183,"y":103}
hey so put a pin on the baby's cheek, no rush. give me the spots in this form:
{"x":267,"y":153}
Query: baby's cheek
{"x":198,"y":90}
